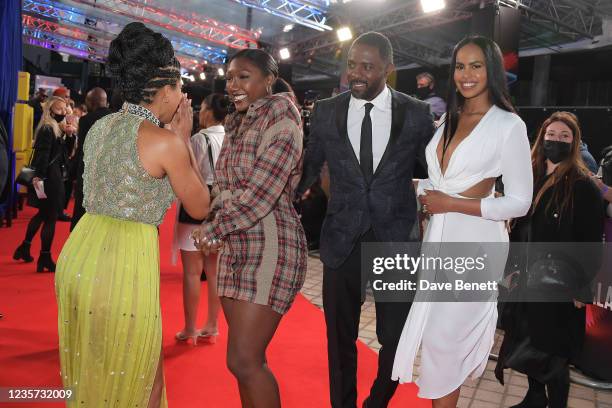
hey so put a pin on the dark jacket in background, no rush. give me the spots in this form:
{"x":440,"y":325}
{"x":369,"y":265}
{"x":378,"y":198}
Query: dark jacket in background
{"x":49,"y":159}
{"x":85,"y":123}
{"x":559,"y":328}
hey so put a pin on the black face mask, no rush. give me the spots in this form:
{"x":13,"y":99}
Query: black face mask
{"x":556,"y":151}
{"x":423,"y":93}
{"x":58,"y":118}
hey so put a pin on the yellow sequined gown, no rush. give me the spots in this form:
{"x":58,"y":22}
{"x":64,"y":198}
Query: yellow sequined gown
{"x":107,"y":278}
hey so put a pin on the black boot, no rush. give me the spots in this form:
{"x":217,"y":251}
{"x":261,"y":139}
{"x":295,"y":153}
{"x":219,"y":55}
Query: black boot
{"x":558,"y":389}
{"x":536,"y":396}
{"x":23,"y":252}
{"x":45,"y":262}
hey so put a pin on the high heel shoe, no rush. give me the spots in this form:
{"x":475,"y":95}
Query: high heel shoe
{"x":209,"y":336}
{"x":181,"y":336}
{"x":23,"y":252}
{"x":45,"y":262}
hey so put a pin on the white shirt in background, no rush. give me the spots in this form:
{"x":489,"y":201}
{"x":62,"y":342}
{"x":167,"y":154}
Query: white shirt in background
{"x":200,"y":149}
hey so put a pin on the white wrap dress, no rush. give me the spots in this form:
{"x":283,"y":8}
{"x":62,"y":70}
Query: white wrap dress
{"x":456,"y":338}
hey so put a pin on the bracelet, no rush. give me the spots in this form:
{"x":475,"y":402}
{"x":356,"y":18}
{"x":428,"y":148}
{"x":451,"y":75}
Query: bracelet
{"x":604,"y":190}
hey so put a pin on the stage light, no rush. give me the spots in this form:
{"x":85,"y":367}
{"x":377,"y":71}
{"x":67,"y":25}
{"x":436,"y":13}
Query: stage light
{"x":202,"y":76}
{"x":191,"y":78}
{"x":288,"y":28}
{"x":344,"y":34}
{"x":220,"y":72}
{"x":429,"y":6}
{"x":284,"y":53}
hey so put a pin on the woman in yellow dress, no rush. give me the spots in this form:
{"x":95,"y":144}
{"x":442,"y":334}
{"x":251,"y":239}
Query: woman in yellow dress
{"x":107,"y":279}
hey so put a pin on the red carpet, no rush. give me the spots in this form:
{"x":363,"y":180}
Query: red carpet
{"x":195,"y":377}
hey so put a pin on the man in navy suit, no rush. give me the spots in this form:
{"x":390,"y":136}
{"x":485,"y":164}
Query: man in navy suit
{"x":371,"y":138}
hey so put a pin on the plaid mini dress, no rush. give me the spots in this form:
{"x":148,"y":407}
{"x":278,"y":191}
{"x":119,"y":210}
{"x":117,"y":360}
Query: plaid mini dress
{"x":263,"y":259}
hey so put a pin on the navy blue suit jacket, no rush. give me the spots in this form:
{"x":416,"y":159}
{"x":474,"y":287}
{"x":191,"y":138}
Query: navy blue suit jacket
{"x":387,"y":204}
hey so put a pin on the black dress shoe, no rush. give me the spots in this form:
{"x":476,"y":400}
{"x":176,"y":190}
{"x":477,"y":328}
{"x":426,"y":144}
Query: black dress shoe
{"x":64,"y":217}
{"x":532,"y":401}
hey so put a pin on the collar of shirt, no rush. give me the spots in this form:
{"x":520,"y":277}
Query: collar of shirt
{"x":214,"y":129}
{"x":382,"y":102}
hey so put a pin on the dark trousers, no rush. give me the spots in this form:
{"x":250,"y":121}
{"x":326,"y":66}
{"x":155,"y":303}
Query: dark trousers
{"x":557,"y":389}
{"x":342,"y":289}
{"x":47,"y":217}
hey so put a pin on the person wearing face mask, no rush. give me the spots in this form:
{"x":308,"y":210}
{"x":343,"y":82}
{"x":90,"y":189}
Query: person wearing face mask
{"x":426,"y":92}
{"x":567,"y":207}
{"x":262,"y":264}
{"x":107,"y":279}
{"x":48,"y":160}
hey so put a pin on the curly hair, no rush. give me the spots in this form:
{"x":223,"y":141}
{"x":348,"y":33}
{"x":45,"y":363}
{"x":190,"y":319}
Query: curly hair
{"x":143,"y":61}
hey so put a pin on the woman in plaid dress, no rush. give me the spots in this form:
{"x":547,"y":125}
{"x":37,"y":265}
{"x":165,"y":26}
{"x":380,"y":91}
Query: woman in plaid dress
{"x":262,"y":263}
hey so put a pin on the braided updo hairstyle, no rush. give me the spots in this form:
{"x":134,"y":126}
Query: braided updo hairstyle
{"x":143,"y":61}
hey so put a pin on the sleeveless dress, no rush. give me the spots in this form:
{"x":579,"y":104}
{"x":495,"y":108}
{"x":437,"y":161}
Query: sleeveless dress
{"x":107,"y":278}
{"x":455,"y":338}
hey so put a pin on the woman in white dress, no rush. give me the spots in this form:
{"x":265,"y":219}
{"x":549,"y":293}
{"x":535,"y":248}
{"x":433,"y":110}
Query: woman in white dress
{"x":480,"y":139}
{"x":206,"y":146}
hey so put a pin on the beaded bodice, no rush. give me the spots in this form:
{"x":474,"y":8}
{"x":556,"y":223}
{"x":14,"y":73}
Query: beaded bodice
{"x":114,"y":181}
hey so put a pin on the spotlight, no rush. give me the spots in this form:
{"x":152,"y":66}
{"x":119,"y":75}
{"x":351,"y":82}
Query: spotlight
{"x":429,"y":6}
{"x":202,"y":76}
{"x":288,"y":28}
{"x":284,"y":53}
{"x":220,"y":72}
{"x":344,"y":34}
{"x":191,"y":78}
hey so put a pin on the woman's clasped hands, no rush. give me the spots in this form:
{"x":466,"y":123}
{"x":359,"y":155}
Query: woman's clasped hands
{"x":205,"y":243}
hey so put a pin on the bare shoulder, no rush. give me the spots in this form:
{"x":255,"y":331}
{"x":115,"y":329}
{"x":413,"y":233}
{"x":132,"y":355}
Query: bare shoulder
{"x":159,"y":138}
{"x":159,"y":148}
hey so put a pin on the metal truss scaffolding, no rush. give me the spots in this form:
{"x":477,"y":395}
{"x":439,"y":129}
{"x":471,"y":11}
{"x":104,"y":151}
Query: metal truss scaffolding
{"x":195,"y":26}
{"x":570,"y":18}
{"x":545,"y":23}
{"x":307,"y":13}
{"x":396,"y":23}
{"x":77,"y":26}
